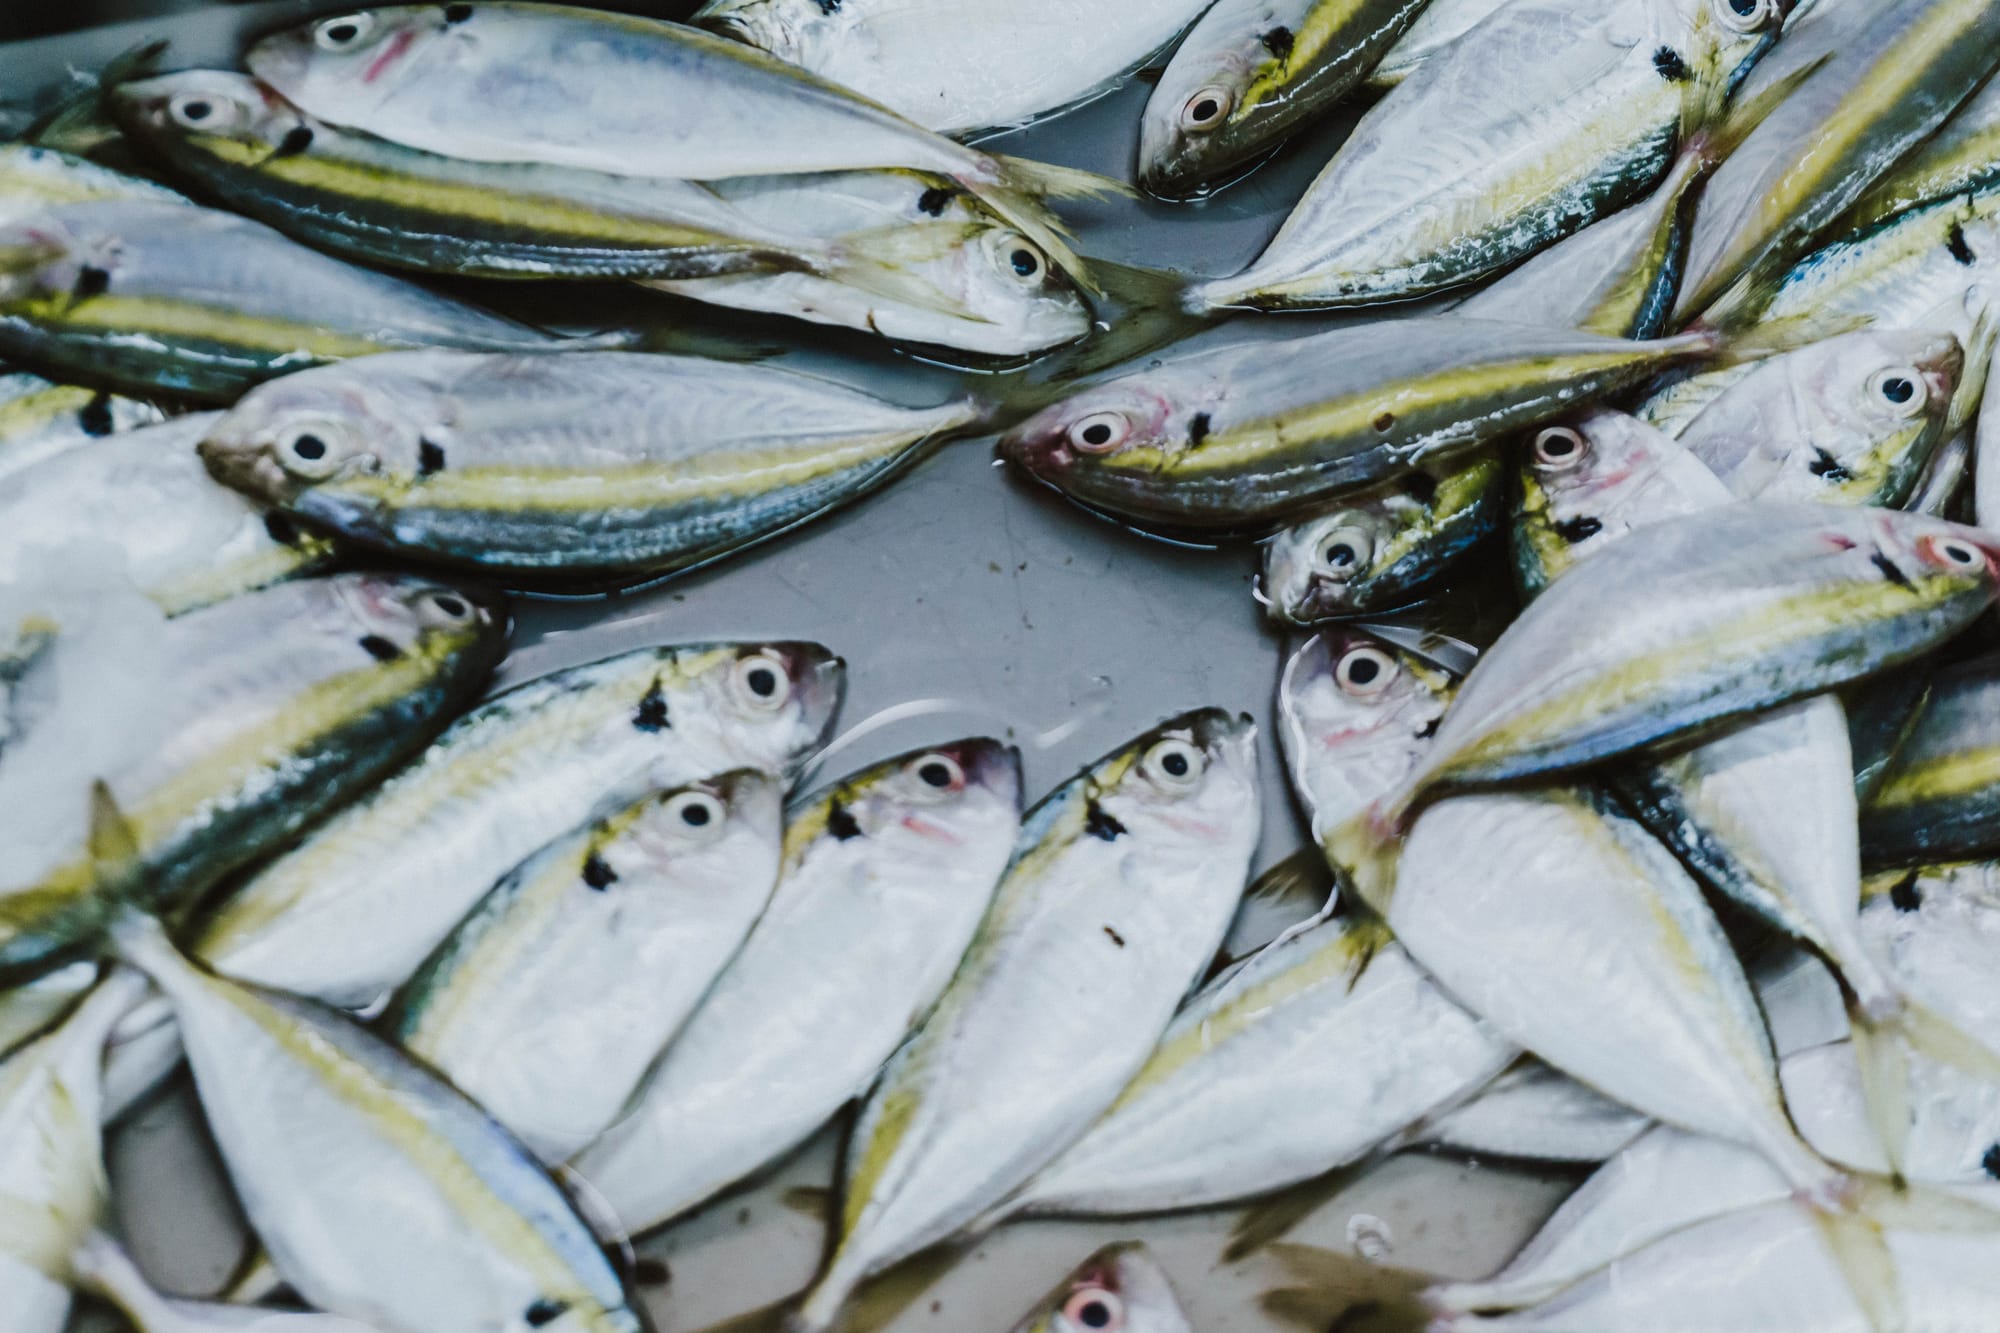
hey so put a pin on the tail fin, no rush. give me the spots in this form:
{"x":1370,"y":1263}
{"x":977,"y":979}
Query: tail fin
{"x":1045,"y":180}
{"x":1338,"y":1293}
{"x":881,"y":261}
{"x":1018,"y":190}
{"x":1272,"y":1218}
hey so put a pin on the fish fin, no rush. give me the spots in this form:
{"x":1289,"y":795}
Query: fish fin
{"x":1717,"y":140}
{"x":1296,"y":889}
{"x":1862,"y":1252}
{"x":1885,"y":1089}
{"x":1270,"y":1219}
{"x":114,"y":843}
{"x":817,"y":1202}
{"x":1365,"y":849}
{"x":1045,"y":180}
{"x":880,"y":261}
{"x":1338,"y":1293}
{"x":1935,"y":1037}
{"x":883,"y":1298}
{"x":772,"y":1318}
{"x":1023,"y":210}
{"x":1970,"y":394}
{"x":80,"y":124}
{"x":255,"y":1280}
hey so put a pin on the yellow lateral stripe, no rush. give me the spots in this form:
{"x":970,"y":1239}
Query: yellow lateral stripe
{"x":1940,"y":778}
{"x":131,"y":315}
{"x":899,"y":1107}
{"x":1325,"y":21}
{"x":35,"y":411}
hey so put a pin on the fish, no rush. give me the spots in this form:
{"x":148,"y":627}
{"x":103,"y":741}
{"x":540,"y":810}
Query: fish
{"x":1274,"y":1074}
{"x":147,"y":297}
{"x":52,"y":1185}
{"x":1533,"y":1113}
{"x":28,"y":1011}
{"x":1249,"y":75}
{"x":459,"y":1227}
{"x":1936,"y":800}
{"x":549,"y":1002}
{"x":40,"y":419}
{"x":145,"y":494}
{"x":1986,"y":459}
{"x":1441,"y":23}
{"x":1120,"y":1287}
{"x":960,"y":66}
{"x":1852,"y":420}
{"x":603,"y":465}
{"x":353,"y":911}
{"x":1457,"y":174}
{"x":1383,"y":549}
{"x":263,"y":714}
{"x":1935,"y":929}
{"x":1248,"y":436}
{"x":1962,"y":157}
{"x":1558,"y":919}
{"x":966,"y":280}
{"x":33,"y":178}
{"x":103,"y":1268}
{"x":885,"y":877}
{"x":1876,"y":97}
{"x":629,"y":96}
{"x":1121,"y":887}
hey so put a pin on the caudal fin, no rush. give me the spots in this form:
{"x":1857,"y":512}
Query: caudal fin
{"x":1338,"y":1293}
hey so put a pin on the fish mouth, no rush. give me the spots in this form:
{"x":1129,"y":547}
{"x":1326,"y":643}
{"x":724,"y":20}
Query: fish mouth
{"x":989,"y":763}
{"x":251,"y":471}
{"x":819,"y":682}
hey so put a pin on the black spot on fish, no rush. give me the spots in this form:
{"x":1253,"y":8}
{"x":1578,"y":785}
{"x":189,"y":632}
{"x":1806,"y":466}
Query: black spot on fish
{"x":933,"y":200}
{"x":1575,"y":530}
{"x":458,"y":13}
{"x":1906,"y":896}
{"x":1279,"y":41}
{"x":1385,"y":421}
{"x":597,"y":873}
{"x":1099,"y":823}
{"x":828,"y":6}
{"x":840,"y":822}
{"x":1990,"y":1163}
{"x":1116,"y":938}
{"x":1421,"y":487}
{"x":1672,"y":68}
{"x":430,"y":458}
{"x":297,"y":139}
{"x":651,"y":714}
{"x":1826,"y":465}
{"x":545,"y":1312}
{"x":281,"y":528}
{"x":1891,"y":573}
{"x":652,"y":1273}
{"x":1198,"y":428}
{"x":1430,"y":729}
{"x":379,"y":648}
{"x":95,"y":418}
{"x":92,"y":281}
{"x":1960,"y":248}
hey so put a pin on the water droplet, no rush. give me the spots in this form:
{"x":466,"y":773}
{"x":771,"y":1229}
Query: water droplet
{"x":1370,"y":1236}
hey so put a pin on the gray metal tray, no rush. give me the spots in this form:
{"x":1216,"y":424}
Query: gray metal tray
{"x":965,"y":602}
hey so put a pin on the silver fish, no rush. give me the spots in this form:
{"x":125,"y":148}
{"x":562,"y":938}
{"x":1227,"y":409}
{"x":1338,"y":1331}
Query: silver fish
{"x":1120,"y":890}
{"x":1937,"y":799}
{"x":1119,"y":1288}
{"x":886,"y":876}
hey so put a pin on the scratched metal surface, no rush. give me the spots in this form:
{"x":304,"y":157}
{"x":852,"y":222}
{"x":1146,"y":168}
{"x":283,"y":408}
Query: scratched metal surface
{"x":965,"y":603}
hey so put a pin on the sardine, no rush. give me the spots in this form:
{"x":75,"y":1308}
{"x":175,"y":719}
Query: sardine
{"x":550,"y":1001}
{"x":886,"y":876}
{"x":40,"y":419}
{"x":1939,"y":796}
{"x":1120,"y":890}
{"x":606,"y":465}
{"x":1119,"y":1288}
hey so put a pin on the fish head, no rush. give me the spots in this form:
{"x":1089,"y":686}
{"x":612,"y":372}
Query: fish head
{"x":1323,"y":568}
{"x":787,"y":29}
{"x":1940,"y":559}
{"x":1193,"y":778}
{"x":1588,"y":482}
{"x":771,"y":704}
{"x":204,"y":106}
{"x":1120,"y":1289}
{"x":1190,"y":132}
{"x":703,"y":835}
{"x":1108,"y":442}
{"x":379,"y":419}
{"x":937,"y":809}
{"x":393,"y":616}
{"x":1002,"y":278}
{"x":348,"y":64}
{"x":1722,"y":37}
{"x":1860,"y":413}
{"x":1357,"y":716}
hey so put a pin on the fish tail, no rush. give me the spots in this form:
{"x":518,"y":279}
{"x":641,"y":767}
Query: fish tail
{"x":1338,"y":1293}
{"x":1720,"y":133}
{"x":1045,"y":180}
{"x":1270,"y":1219}
{"x":887,"y":262}
{"x":1980,"y":342}
{"x":1885,"y":1084}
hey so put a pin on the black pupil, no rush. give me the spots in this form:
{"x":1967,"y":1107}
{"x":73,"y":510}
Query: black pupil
{"x":1959,"y":555}
{"x":1744,"y":7}
{"x":695,"y":815}
{"x":1206,"y":109}
{"x":1097,"y":433}
{"x":342,"y":33}
{"x":451,"y":606}
{"x":1899,"y":390}
{"x":197,"y":110}
{"x":309,"y":447}
{"x":1559,"y":446}
{"x":1175,"y":765}
{"x":763,"y":682}
{"x":1024,"y":262}
{"x":1095,"y":1315}
{"x":1342,"y":556}
{"x":1363,"y":670}
{"x":936,"y":774}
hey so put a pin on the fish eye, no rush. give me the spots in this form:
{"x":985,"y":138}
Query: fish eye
{"x":762,"y":682}
{"x":1174,"y":764}
{"x":1017,"y":258}
{"x":1902,"y":389}
{"x":1344,"y":553}
{"x":1206,"y":109}
{"x":304,"y":451}
{"x":197,"y":111}
{"x":1364,"y":672}
{"x":1953,"y":553}
{"x":1559,"y":449}
{"x":445,"y":609}
{"x":343,"y":33}
{"x":695,"y":812}
{"x":1094,"y":1308}
{"x":1100,"y":432}
{"x":1747,"y":15}
{"x":938,"y":773}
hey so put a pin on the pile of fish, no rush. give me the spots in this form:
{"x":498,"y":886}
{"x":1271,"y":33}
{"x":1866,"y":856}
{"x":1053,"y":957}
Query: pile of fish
{"x":1643,"y":697}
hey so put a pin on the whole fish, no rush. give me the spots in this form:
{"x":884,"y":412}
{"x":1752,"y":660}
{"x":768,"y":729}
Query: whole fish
{"x":1120,"y":1288}
{"x":965,"y":279}
{"x":185,"y":540}
{"x":1939,"y":795}
{"x":959,"y":66}
{"x":1382,"y":549}
{"x":623,"y":95}
{"x":1441,"y":23}
{"x":1317,"y":1051}
{"x":1120,"y":890}
{"x":33,"y":178}
{"x":103,"y":1268}
{"x":52,"y":1184}
{"x":458,"y":1228}
{"x":204,"y":304}
{"x":1534,"y":124}
{"x":1560,"y":921}
{"x":1962,"y":157}
{"x":268,"y":711}
{"x":352,"y":911}
{"x":586,"y":464}
{"x":1874,"y":99}
{"x":1249,"y":75}
{"x":1533,"y":1113}
{"x":550,"y":1001}
{"x":886,"y":875}
{"x":1254,"y":434}
{"x":40,"y":419}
